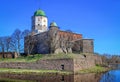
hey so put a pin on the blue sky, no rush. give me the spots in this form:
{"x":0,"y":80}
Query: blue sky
{"x":97,"y":19}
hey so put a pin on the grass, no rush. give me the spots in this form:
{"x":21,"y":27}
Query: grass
{"x":13,"y":80}
{"x":60,"y":56}
{"x":30,"y":71}
{"x":36,"y":57}
{"x":23,"y":59}
{"x":96,"y":69}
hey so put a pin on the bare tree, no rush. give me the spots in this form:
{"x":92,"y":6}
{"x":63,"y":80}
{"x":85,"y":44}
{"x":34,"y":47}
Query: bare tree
{"x":7,"y":43}
{"x":66,"y":42}
{"x":69,"y":42}
{"x":77,"y":47}
{"x":2,"y":45}
{"x":14,"y":43}
{"x":30,"y":43}
{"x":16,"y":40}
{"x":25,"y":33}
{"x":59,"y":40}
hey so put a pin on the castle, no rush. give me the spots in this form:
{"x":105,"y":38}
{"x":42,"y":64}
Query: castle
{"x":45,"y":39}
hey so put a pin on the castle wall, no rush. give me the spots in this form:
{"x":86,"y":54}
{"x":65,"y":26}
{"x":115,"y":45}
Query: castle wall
{"x":87,"y":46}
{"x":86,"y":61}
{"x":83,"y":46}
{"x":56,"y":41}
{"x":50,"y":64}
{"x":83,"y":62}
{"x":72,"y":36}
{"x":76,"y":64}
{"x":42,"y":46}
{"x":37,"y":44}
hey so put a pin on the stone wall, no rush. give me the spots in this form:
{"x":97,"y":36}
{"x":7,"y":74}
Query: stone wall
{"x":86,"y":61}
{"x":8,"y":55}
{"x":54,"y":64}
{"x":56,"y":41}
{"x":36,"y":44}
{"x":83,"y":62}
{"x":87,"y":46}
{"x":83,"y":46}
{"x":76,"y":64}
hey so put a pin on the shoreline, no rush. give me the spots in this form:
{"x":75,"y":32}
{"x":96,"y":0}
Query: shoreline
{"x":96,"y":69}
{"x":31,"y":71}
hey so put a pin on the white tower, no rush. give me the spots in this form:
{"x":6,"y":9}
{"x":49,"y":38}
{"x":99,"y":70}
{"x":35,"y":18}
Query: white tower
{"x":39,"y":22}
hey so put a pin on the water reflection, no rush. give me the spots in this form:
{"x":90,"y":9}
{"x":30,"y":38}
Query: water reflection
{"x":111,"y":76}
{"x":50,"y":78}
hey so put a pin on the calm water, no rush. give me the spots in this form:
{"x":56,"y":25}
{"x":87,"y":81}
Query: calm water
{"x":49,"y":78}
{"x":111,"y":76}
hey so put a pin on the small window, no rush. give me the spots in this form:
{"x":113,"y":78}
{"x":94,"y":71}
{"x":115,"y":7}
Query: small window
{"x":44,"y":25}
{"x":38,"y":19}
{"x":44,"y":20}
{"x":84,"y":56}
{"x":38,"y":24}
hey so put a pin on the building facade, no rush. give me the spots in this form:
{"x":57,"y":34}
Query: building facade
{"x":53,"y":40}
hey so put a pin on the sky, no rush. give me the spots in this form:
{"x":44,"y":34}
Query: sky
{"x":96,"y":19}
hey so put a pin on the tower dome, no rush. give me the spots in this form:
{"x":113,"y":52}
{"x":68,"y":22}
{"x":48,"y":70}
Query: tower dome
{"x":39,"y":13}
{"x":53,"y":24}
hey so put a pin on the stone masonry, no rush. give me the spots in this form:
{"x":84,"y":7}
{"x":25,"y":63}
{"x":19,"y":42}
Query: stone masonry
{"x":69,"y":64}
{"x":57,"y":41}
{"x":8,"y":55}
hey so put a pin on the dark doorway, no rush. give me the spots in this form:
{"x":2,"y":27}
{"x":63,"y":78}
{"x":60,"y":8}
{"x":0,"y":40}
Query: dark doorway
{"x":62,"y":66}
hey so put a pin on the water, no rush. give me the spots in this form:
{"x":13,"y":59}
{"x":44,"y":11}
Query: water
{"x":49,"y":78}
{"x":111,"y":76}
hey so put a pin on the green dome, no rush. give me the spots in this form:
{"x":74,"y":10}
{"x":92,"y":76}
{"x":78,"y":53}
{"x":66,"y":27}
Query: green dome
{"x":53,"y":24}
{"x":39,"y":13}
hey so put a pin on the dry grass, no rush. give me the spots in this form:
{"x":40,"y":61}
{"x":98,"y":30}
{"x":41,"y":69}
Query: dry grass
{"x":31,"y":71}
{"x":96,"y":69}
